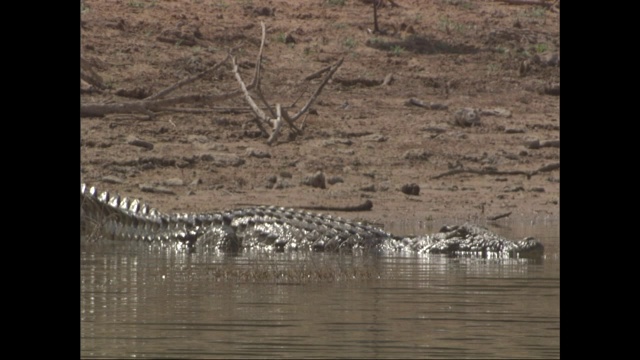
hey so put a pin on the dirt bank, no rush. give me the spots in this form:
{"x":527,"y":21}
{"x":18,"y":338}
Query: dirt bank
{"x":364,"y":136}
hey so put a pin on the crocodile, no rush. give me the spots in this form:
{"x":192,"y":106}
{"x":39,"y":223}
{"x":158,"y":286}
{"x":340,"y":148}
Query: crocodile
{"x":275,"y":228}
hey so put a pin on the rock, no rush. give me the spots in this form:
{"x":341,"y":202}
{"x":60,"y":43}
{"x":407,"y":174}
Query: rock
{"x":374,"y":138}
{"x":368,"y":188}
{"x":436,"y":128}
{"x":552,"y":89}
{"x":223,"y":159}
{"x":532,"y":144}
{"x":270,"y":181}
{"x":334,"y":180}
{"x":197,"y":138}
{"x":416,"y":154}
{"x":466,"y":117}
{"x":316,"y":180}
{"x":514,"y":131}
{"x":131,"y":140}
{"x":550,"y":143}
{"x":110,"y":179}
{"x":335,"y":141}
{"x":264,"y":11}
{"x":547,"y":59}
{"x":549,"y":167}
{"x":513,"y":188}
{"x":173,"y":182}
{"x":410,"y":189}
{"x":289,"y":39}
{"x":281,"y":184}
{"x":260,"y":154}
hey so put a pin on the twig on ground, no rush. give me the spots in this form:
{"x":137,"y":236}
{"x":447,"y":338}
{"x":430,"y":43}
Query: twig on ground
{"x":528,"y":174}
{"x":500,"y":216}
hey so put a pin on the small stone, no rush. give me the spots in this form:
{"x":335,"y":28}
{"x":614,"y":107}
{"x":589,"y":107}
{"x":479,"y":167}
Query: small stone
{"x":410,"y":189}
{"x":289,"y":39}
{"x":532,"y":144}
{"x":140,"y":143}
{"x":264,"y":11}
{"x":416,"y":154}
{"x":197,"y":138}
{"x":550,"y":143}
{"x":260,"y":154}
{"x":173,"y":182}
{"x":374,"y":138}
{"x":281,"y":184}
{"x":316,"y":180}
{"x":368,"y":188}
{"x":110,"y":179}
{"x":466,"y":117}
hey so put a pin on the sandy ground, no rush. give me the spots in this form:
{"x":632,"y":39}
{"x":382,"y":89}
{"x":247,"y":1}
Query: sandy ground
{"x":500,"y":60}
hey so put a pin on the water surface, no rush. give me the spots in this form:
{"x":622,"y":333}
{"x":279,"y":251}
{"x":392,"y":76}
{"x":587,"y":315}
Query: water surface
{"x":142,"y":301}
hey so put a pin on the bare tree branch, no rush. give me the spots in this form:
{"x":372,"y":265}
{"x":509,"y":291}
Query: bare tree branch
{"x":259,"y":113}
{"x":159,"y":102}
{"x":277,"y":125}
{"x":304,"y":109}
{"x":188,"y":80}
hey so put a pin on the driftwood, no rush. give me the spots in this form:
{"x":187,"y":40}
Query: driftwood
{"x":528,"y":174}
{"x":161,"y":102}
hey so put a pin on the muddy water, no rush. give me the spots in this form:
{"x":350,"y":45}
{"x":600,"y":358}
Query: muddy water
{"x":138,"y":301}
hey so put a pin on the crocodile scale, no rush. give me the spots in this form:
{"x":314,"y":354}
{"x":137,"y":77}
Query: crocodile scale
{"x":279,"y":229}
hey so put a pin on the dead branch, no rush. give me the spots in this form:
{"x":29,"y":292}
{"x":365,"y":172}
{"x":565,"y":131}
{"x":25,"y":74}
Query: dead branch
{"x":315,"y":95}
{"x":277,"y":125}
{"x":161,"y":102}
{"x":494,"y":218}
{"x":156,"y":102}
{"x":542,"y":3}
{"x":150,"y":106}
{"x":280,"y":113}
{"x":188,"y":80}
{"x":318,"y":73}
{"x":359,"y":81}
{"x":426,"y":105}
{"x":528,"y":174}
{"x":252,"y":104}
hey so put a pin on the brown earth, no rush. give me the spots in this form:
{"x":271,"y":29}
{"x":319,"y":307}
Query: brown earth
{"x":485,"y":55}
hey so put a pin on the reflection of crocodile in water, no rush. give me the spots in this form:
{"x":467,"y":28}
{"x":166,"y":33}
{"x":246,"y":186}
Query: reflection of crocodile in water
{"x":279,"y":229}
